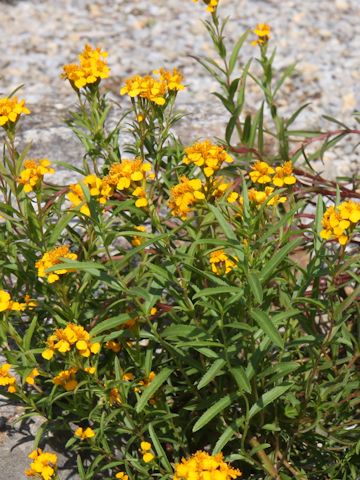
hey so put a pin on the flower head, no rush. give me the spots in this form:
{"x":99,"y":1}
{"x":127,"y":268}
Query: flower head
{"x":261,"y":173}
{"x":262,"y":31}
{"x":284,"y":175}
{"x":11,"y":109}
{"x":155,"y":90}
{"x":72,"y":337}
{"x":114,"y":397}
{"x":84,"y":433}
{"x":202,"y":466}
{"x":207,"y":156}
{"x":6,"y":303}
{"x":211,"y":4}
{"x":184,"y":195}
{"x":52,"y":258}
{"x":30,"y":379}
{"x":6,"y":378}
{"x":122,"y":476}
{"x":338,"y":222}
{"x":221,"y":263}
{"x":43,"y":465}
{"x":145,"y":448}
{"x":66,"y":378}
{"x":90,"y":70}
{"x":98,"y":189}
{"x":33,"y":173}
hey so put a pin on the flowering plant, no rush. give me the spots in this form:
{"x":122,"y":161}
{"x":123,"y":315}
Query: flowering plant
{"x":184,"y":312}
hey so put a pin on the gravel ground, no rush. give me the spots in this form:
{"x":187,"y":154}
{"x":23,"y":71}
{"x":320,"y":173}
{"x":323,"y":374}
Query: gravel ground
{"x":39,"y":36}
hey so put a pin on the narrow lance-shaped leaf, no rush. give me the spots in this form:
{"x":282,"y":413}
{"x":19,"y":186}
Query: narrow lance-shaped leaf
{"x":150,"y":390}
{"x":213,"y":411}
{"x":267,"y":326}
{"x":268,"y":397}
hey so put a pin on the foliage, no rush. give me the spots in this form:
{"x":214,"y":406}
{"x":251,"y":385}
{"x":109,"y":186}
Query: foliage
{"x":186,"y":298}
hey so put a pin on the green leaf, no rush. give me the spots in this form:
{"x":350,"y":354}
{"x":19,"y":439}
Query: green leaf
{"x":149,"y":391}
{"x":206,"y":292}
{"x":279,"y":256}
{"x":211,"y":373}
{"x":241,"y":379}
{"x":213,"y":411}
{"x":255,"y":286}
{"x":267,"y":326}
{"x":225,"y":226}
{"x":235,"y":53}
{"x":159,"y":450}
{"x":268,"y":398}
{"x":29,"y":333}
{"x":110,"y":324}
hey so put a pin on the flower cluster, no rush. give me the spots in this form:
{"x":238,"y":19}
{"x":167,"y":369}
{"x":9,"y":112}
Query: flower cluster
{"x":155,"y":90}
{"x":34,"y":172}
{"x":263,"y":174}
{"x":11,"y":109}
{"x":122,"y":476}
{"x":262,"y":31}
{"x":73,"y":336}
{"x":43,"y":465}
{"x":146,"y":453}
{"x":7,"y":304}
{"x":98,"y":188}
{"x":52,"y":258}
{"x":30,"y":379}
{"x":221,"y":263}
{"x":338,"y":222}
{"x":91,"y":69}
{"x":84,"y":433}
{"x":66,"y":378}
{"x":184,"y":195}
{"x":211,"y":4}
{"x":202,"y":466}
{"x":6,"y":379}
{"x":130,"y":175}
{"x":207,"y":156}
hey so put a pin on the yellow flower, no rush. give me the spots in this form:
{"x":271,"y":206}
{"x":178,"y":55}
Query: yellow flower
{"x":261,"y":172}
{"x":7,"y":304}
{"x":221,"y":263}
{"x":259,"y":197}
{"x":211,"y":4}
{"x":130,"y":175}
{"x":5,"y":300}
{"x":11,"y":109}
{"x":145,"y":452}
{"x":6,"y":378}
{"x":91,"y":69}
{"x":113,"y":345}
{"x":30,"y":379}
{"x":84,"y":434}
{"x":202,"y":466}
{"x":51,"y":258}
{"x":72,"y":336}
{"x":137,"y":241}
{"x":152,"y":89}
{"x":350,"y":211}
{"x":98,"y":188}
{"x":43,"y":465}
{"x":184,"y":195}
{"x":32,"y":176}
{"x":66,"y":378}
{"x":207,"y":156}
{"x":338,"y":222}
{"x":114,"y":397}
{"x":122,"y":476}
{"x":283,"y":175}
{"x":128,"y":377}
{"x":262,"y":31}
